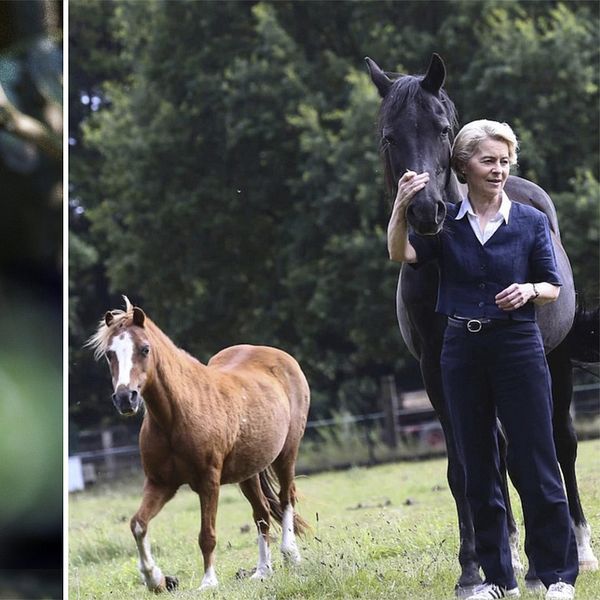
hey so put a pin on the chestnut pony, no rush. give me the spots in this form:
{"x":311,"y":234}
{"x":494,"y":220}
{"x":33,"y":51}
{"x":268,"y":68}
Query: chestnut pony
{"x":238,"y":419}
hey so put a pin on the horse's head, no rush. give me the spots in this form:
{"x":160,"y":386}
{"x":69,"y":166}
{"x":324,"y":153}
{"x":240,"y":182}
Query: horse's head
{"x":416,"y":124}
{"x":123,"y":340}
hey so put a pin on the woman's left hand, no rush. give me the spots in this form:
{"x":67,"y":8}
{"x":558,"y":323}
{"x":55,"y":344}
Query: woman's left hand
{"x":514,"y":296}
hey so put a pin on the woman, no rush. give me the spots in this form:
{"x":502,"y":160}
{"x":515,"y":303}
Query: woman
{"x":496,"y":262}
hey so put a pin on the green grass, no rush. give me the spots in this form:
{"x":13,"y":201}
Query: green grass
{"x":387,"y":532}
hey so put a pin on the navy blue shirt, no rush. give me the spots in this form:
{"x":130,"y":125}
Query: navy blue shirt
{"x":472,"y":274}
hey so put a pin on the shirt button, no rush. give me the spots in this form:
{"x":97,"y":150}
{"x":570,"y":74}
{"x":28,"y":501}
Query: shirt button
{"x":481,"y":304}
{"x":483,"y":267}
{"x":482,"y":286}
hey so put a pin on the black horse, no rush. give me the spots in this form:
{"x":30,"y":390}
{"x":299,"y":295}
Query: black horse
{"x":417,"y":121}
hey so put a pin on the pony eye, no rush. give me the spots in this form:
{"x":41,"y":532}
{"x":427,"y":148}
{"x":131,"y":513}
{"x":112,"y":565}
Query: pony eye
{"x":145,"y":350}
{"x":389,"y":140}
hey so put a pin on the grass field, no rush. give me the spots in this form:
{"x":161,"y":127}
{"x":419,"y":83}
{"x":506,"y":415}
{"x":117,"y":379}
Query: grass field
{"x":383,"y":533}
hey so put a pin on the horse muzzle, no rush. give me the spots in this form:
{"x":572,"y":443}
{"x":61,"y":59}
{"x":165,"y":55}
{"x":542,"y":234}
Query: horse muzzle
{"x":126,"y":401}
{"x":426,"y":219}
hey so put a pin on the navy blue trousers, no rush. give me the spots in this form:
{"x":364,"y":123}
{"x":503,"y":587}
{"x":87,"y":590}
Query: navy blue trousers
{"x":503,"y":372}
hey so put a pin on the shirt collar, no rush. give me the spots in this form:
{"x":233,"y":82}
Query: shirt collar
{"x":504,"y":210}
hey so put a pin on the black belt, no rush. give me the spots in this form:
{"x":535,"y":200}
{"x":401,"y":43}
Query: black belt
{"x":477,"y":325}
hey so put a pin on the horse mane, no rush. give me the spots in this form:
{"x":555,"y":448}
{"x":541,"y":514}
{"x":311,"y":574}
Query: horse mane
{"x":406,"y":89}
{"x":123,"y":319}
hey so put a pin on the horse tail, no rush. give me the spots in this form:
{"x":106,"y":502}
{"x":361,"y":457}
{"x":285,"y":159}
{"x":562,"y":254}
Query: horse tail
{"x":269,"y":487}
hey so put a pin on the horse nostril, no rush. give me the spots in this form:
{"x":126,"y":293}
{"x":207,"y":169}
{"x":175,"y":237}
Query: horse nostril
{"x":440,"y":211}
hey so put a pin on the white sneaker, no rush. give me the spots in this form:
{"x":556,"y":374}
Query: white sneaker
{"x":491,"y":591}
{"x":560,"y":591}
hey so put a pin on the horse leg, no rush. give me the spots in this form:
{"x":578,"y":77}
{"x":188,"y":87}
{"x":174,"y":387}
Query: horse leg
{"x":209,"y":500}
{"x":513,"y":532}
{"x":153,"y":499}
{"x":284,"y":467}
{"x":565,"y":441}
{"x":260,"y":511}
{"x":467,"y":557}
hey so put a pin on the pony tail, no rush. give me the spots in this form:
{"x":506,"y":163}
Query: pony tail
{"x":269,"y":489}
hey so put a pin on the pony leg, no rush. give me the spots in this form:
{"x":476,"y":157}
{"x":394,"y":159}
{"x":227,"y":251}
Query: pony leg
{"x":153,"y":499}
{"x":260,"y":512}
{"x":209,"y":500}
{"x":284,"y":468}
{"x":565,"y":441}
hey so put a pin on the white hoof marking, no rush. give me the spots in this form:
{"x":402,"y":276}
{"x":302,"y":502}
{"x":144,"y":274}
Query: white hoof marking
{"x":587,"y":559}
{"x":209,"y":581}
{"x":289,"y":548}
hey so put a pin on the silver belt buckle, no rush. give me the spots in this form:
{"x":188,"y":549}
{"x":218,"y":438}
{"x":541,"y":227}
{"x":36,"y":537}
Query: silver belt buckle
{"x":474,"y":326}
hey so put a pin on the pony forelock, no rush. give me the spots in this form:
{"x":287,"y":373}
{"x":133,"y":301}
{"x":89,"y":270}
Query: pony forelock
{"x":99,"y":340}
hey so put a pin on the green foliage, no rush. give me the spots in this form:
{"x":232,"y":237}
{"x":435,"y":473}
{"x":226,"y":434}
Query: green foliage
{"x":229,"y":182}
{"x":578,"y":210}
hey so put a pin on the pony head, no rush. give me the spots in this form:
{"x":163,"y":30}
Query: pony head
{"x":417,"y":120}
{"x":123,"y":340}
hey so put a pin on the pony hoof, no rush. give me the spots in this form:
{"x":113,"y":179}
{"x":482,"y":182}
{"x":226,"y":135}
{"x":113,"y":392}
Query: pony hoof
{"x":262,"y":574}
{"x":291,"y":557}
{"x":171,"y":583}
{"x":588,"y":564}
{"x":245,"y":573}
{"x":208,"y":585}
{"x":534,"y":586}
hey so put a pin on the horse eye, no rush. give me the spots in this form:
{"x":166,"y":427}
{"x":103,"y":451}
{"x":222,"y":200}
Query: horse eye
{"x":387,"y":139}
{"x":445,"y":131}
{"x":145,"y":350}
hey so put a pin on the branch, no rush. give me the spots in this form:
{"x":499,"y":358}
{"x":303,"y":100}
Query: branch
{"x":29,"y":129}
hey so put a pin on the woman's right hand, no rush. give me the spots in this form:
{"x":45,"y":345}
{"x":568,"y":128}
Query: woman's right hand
{"x":399,"y":246}
{"x":410,"y":183}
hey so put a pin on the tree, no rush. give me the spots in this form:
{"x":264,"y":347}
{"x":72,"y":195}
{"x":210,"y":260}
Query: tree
{"x":229,"y":179}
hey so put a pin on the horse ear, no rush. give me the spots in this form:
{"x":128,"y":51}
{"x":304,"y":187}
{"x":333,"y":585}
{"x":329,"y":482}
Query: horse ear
{"x":435,"y":76}
{"x":382,"y":82}
{"x":109,"y":318}
{"x":138,"y":316}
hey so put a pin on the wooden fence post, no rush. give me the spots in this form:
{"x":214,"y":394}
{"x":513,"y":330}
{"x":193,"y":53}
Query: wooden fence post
{"x":390,"y":402}
{"x":109,"y":459}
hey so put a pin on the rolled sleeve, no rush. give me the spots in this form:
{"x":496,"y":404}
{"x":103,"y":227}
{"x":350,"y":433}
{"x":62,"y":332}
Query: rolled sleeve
{"x":542,"y":258}
{"x":427,"y":248}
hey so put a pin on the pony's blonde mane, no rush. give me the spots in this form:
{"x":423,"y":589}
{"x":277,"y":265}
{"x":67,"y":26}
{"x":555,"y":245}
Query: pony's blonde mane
{"x":122,"y":319}
{"x":99,"y":341}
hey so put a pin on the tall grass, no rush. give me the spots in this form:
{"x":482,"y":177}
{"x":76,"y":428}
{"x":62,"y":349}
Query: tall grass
{"x":387,"y":532}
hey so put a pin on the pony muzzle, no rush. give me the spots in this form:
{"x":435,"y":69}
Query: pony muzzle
{"x":126,"y":401}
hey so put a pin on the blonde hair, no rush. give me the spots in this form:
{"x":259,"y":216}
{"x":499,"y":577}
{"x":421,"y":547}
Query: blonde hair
{"x":472,"y":134}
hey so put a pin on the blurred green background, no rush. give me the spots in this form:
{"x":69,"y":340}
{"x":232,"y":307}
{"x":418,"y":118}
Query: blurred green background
{"x":31,"y":349}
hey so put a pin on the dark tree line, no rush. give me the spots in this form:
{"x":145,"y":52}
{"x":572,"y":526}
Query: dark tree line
{"x":225,"y":172}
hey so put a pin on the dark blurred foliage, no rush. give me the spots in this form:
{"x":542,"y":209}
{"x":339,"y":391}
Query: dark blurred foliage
{"x":225,"y":173}
{"x":31,"y":299}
